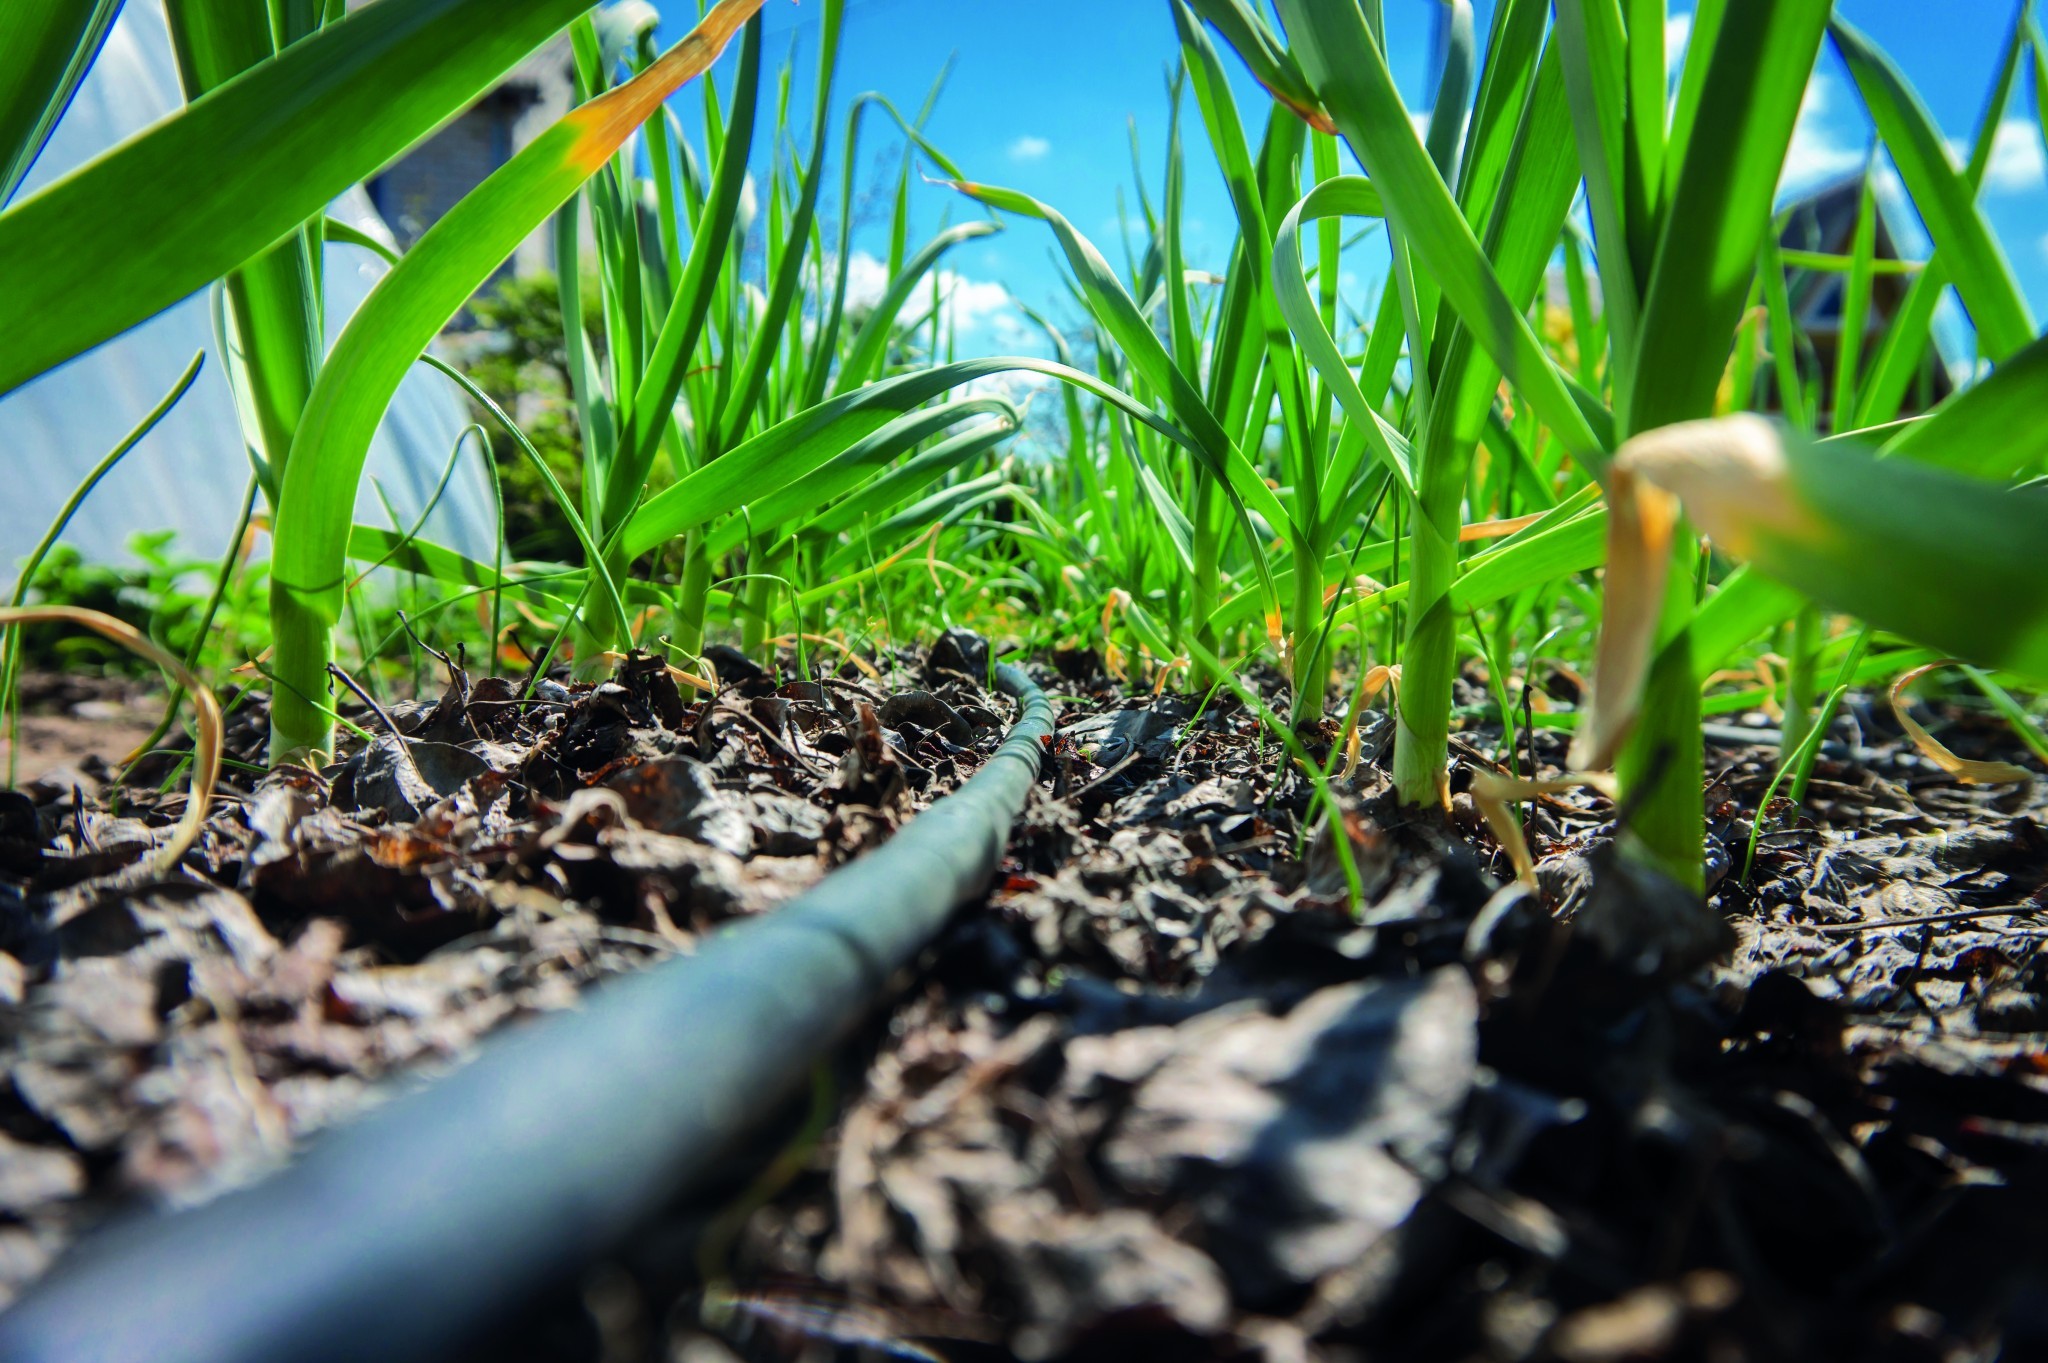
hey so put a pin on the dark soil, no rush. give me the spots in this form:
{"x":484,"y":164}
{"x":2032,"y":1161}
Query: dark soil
{"x":66,"y":720}
{"x":1162,"y":1095}
{"x":485,"y":858}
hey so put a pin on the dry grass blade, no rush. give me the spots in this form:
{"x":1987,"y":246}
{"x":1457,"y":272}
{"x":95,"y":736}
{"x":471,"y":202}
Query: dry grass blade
{"x":860,"y":664}
{"x":1950,"y":560}
{"x":1493,"y":530}
{"x":1377,"y":679}
{"x":1962,"y":768}
{"x":1641,"y":519}
{"x":1733,"y":475}
{"x":207,"y":747}
{"x":676,"y":674}
{"x":1496,"y":794}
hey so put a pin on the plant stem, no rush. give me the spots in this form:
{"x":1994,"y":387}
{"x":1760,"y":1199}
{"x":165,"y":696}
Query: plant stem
{"x":1799,"y":682}
{"x":230,"y":558}
{"x":1208,"y":552}
{"x":755,"y":600}
{"x":690,"y":598}
{"x":1664,"y":751}
{"x":301,"y":727}
{"x":1310,"y":641}
{"x":1429,"y":654}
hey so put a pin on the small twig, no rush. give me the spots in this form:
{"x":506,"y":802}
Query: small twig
{"x":384,"y":718}
{"x":1251,"y":844}
{"x":1911,"y":986}
{"x":823,"y":773}
{"x":841,"y":684}
{"x":1128,"y":758}
{"x":1955,"y":916}
{"x":1476,"y":754}
{"x":413,"y":634}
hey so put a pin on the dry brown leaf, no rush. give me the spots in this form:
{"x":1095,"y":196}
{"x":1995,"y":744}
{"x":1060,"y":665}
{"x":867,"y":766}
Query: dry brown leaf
{"x":1487,"y":530}
{"x":1640,"y":520}
{"x":1962,"y":768}
{"x":1731,"y":473}
{"x":1495,"y":794}
{"x":206,"y":748}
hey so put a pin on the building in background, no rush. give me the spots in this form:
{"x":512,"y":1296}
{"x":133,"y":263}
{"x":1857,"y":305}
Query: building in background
{"x":1825,"y":222}
{"x":416,"y":191}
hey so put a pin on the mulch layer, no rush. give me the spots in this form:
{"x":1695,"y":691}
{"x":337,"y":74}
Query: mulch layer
{"x":1162,"y":1094}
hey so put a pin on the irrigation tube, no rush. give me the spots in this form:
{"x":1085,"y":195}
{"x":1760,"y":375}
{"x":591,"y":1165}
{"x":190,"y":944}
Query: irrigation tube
{"x":399,"y":1236}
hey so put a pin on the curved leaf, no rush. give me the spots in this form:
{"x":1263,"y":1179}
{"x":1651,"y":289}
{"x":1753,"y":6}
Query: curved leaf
{"x":1121,"y":317}
{"x":669,"y":362}
{"x":193,"y":196}
{"x":1349,"y":196}
{"x":1992,"y":429}
{"x":404,"y":313}
{"x":1351,"y":75}
{"x":793,"y":449}
{"x":853,"y":469}
{"x":1720,"y":211}
{"x":740,"y":404}
{"x":1976,"y":265}
{"x":893,"y":486}
{"x":944,"y":507}
{"x":1953,"y":562}
{"x":826,"y":343}
{"x":46,"y":47}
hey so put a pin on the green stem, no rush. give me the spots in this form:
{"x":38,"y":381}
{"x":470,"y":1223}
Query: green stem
{"x":271,"y":299}
{"x":1429,"y":655}
{"x":230,"y":557}
{"x":301,"y":725}
{"x":755,"y":600}
{"x":1799,"y":682}
{"x":1208,"y":554}
{"x":1310,"y":639}
{"x":10,"y":639}
{"x":1845,"y":677}
{"x":693,"y":595}
{"x":1662,"y":763}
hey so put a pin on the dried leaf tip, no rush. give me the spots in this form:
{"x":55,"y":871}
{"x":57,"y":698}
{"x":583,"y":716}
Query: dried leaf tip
{"x":1732,"y":473}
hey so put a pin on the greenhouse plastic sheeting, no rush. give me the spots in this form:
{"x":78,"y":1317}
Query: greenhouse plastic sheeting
{"x":190,"y":473}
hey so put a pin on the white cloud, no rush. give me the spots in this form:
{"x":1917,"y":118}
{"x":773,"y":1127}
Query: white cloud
{"x":1820,"y":151}
{"x":749,"y":205}
{"x":972,"y":307}
{"x":1030,"y":148}
{"x":1017,"y":385}
{"x":1826,"y":146}
{"x":971,"y":304}
{"x":2018,"y":161}
{"x":1677,"y":29}
{"x":867,"y":278}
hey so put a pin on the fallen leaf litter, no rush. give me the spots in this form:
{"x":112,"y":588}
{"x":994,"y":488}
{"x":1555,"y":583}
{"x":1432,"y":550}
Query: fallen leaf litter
{"x":1162,"y":1094}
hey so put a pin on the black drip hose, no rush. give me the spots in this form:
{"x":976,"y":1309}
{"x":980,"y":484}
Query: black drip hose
{"x":403,"y":1234}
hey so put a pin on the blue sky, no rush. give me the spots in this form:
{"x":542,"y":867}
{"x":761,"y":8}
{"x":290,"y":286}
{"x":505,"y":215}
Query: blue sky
{"x":1041,"y":96}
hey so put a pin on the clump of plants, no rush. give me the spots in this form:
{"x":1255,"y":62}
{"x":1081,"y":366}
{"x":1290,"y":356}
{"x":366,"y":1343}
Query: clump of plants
{"x":1445,"y":482}
{"x":1531,"y":445}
